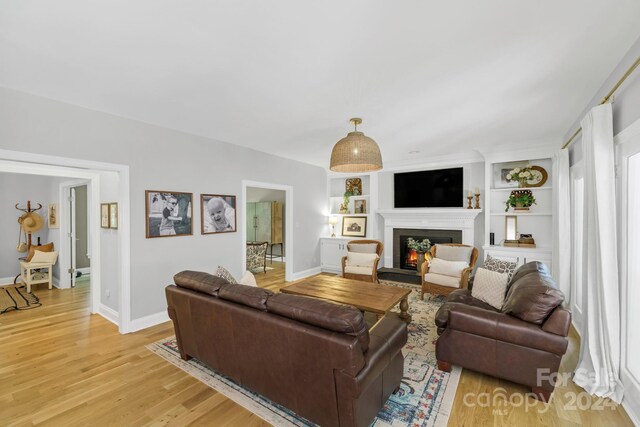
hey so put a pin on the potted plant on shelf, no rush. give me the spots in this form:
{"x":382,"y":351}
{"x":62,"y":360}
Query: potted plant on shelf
{"x":520,"y":200}
{"x":421,"y":247}
{"x":344,"y":207}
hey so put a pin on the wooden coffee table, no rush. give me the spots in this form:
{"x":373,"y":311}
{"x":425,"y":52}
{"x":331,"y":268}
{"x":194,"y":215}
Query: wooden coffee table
{"x":366,"y":296}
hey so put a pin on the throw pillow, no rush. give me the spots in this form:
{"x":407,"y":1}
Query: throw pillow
{"x":532,"y":298}
{"x":224,"y":273}
{"x":45,"y":257}
{"x":248,"y":279}
{"x":490,"y":287}
{"x":454,"y":253}
{"x":447,"y":268}
{"x":360,"y":259}
{"x":42,"y":248}
{"x":363,"y":248}
{"x":499,"y":265}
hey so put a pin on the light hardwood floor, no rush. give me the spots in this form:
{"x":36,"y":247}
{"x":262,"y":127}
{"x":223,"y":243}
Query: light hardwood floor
{"x":61,"y":366}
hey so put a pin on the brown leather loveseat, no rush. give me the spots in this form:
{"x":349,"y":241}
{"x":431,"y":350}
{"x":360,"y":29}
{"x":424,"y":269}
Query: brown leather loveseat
{"x":524,"y":342}
{"x":314,"y":357}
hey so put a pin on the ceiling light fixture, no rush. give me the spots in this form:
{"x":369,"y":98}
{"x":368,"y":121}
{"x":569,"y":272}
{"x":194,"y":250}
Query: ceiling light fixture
{"x":356,"y":152}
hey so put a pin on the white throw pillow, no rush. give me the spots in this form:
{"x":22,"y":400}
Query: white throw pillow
{"x":490,"y":287}
{"x":44,"y":257}
{"x":360,"y":259}
{"x":364,"y":248}
{"x":454,"y":253}
{"x":447,"y":268}
{"x":248,"y":279}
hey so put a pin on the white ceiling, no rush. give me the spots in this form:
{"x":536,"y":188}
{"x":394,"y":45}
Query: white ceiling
{"x":284,"y":76}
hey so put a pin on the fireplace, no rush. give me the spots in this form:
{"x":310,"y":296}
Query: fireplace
{"x":407,"y":259}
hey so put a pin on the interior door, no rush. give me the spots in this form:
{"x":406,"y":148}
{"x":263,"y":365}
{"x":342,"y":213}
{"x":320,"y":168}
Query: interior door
{"x":72,"y":235}
{"x":577,"y":244}
{"x":628,"y":197}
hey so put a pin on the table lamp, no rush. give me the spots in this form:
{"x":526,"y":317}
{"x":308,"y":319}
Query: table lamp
{"x":333,"y":220}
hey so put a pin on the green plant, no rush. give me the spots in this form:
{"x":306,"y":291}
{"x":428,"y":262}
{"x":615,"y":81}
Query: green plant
{"x":419,"y":245}
{"x":520,"y":201}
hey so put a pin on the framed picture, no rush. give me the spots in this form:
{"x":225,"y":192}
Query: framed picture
{"x":500,"y":172}
{"x":113,"y":215}
{"x":168,"y":213}
{"x":52,"y":214}
{"x":218,"y":213}
{"x":360,"y":206}
{"x":354,"y":226}
{"x":104,"y":215}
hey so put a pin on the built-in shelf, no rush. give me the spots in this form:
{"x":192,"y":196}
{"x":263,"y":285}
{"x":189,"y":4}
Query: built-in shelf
{"x":349,"y":214}
{"x":521,"y":213}
{"x":510,"y":189}
{"x":518,"y":248}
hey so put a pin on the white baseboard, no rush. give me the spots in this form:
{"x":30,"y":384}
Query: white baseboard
{"x":306,"y":273}
{"x":276,"y":258}
{"x":629,"y":408}
{"x":109,"y":313}
{"x":148,"y":321}
{"x":85,"y":270}
{"x":331,"y":270}
{"x":6,"y":280}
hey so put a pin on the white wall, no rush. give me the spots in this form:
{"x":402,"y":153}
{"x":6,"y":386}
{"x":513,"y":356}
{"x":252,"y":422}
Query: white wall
{"x":164,"y":159}
{"x":18,"y":188}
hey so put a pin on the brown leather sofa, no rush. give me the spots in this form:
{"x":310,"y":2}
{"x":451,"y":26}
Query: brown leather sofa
{"x":527,"y":335}
{"x":312,"y":356}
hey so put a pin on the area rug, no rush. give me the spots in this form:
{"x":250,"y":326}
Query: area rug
{"x":261,"y":270}
{"x":425,"y":397}
{"x":16,"y":297}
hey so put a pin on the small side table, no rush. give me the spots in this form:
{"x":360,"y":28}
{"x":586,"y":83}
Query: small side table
{"x":26,"y":273}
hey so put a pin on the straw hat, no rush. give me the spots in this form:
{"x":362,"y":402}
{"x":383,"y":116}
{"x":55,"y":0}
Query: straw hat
{"x":31,"y":222}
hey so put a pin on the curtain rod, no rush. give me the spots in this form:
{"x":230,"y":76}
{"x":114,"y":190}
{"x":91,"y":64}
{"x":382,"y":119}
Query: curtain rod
{"x":607,"y":98}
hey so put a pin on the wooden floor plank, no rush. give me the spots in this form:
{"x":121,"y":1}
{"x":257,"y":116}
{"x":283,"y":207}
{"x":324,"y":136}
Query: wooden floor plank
{"x":60,"y":365}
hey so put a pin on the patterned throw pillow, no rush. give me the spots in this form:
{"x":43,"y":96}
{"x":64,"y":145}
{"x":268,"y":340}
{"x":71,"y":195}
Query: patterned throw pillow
{"x":490,"y":287}
{"x":224,"y":273}
{"x":498,"y":265}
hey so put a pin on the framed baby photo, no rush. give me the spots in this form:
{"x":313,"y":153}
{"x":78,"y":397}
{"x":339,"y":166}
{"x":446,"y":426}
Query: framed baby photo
{"x":354,"y":226}
{"x":218,"y":213}
{"x":168,"y":213}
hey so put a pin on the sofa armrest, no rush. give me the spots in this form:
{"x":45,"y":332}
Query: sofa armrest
{"x":386,"y":340}
{"x":505,"y":328}
{"x":558,"y":322}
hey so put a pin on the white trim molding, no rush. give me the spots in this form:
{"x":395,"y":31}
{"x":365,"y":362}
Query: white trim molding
{"x":306,"y":273}
{"x":427,"y":218}
{"x":148,"y":321}
{"x":109,"y":313}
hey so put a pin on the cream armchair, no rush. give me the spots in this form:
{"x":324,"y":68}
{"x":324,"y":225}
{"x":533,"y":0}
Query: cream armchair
{"x":452,"y":273}
{"x":359,"y":264}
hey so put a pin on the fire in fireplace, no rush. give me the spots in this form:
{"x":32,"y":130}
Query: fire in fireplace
{"x":409,"y":257}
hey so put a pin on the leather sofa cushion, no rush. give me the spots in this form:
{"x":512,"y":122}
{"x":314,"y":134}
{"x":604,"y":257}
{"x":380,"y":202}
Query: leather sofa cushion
{"x":328,"y":315}
{"x":442,"y":280}
{"x":460,"y":297}
{"x":199,"y":281}
{"x":528,"y":268}
{"x":532,"y":298}
{"x":245,"y":295}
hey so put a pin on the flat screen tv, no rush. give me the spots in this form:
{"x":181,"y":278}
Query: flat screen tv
{"x":429,"y":189}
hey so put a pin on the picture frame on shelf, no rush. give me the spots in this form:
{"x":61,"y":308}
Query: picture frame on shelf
{"x":353,"y":185}
{"x":500,"y":172}
{"x":113,"y":215}
{"x":104,"y":215}
{"x":218,"y":213}
{"x":360,"y":206}
{"x":168,"y":213}
{"x":354,"y":226}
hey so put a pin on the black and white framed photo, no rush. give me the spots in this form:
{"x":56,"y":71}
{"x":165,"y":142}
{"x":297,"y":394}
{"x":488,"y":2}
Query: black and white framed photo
{"x":218,"y":213}
{"x":354,"y":226}
{"x":168,"y":213}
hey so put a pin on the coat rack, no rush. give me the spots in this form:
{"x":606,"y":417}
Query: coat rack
{"x":27,"y":211}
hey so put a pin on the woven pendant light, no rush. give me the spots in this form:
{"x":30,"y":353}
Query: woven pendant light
{"x":356,"y":153}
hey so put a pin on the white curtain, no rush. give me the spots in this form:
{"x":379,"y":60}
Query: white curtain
{"x":599,"y":365}
{"x":562,"y":216}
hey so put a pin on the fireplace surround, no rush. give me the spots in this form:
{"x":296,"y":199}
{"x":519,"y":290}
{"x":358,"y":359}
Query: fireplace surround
{"x":406,"y":258}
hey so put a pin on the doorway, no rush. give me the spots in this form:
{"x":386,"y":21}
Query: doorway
{"x":268,"y":217}
{"x":78,"y":219}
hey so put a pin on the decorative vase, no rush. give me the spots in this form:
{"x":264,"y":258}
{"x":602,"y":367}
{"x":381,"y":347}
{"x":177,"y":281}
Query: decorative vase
{"x":420,"y":262}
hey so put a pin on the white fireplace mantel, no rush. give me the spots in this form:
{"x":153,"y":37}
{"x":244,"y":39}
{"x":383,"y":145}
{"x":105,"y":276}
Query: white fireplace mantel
{"x":427,"y":218}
